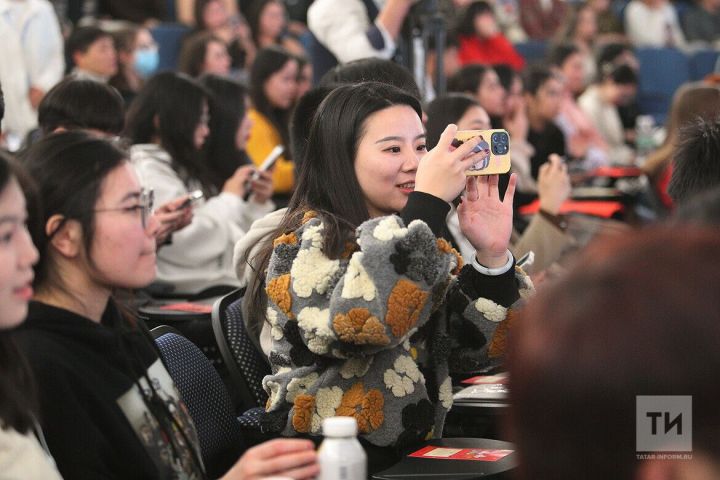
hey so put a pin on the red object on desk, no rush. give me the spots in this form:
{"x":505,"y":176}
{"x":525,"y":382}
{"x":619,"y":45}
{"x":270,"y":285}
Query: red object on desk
{"x":602,"y":209}
{"x":445,"y":453}
{"x":487,"y":379}
{"x":188,"y":307}
{"x":616,"y":172}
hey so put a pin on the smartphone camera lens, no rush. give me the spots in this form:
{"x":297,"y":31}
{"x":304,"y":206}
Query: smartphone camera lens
{"x":500,"y":143}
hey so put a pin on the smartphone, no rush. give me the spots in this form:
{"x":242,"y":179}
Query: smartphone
{"x":192,"y":197}
{"x":266,"y":165}
{"x":494,"y":143}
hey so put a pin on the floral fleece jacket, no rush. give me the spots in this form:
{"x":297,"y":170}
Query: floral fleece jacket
{"x":351,"y":335}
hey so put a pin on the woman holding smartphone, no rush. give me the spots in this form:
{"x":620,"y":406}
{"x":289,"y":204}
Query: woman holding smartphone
{"x":363,"y":298}
{"x":168,"y":125}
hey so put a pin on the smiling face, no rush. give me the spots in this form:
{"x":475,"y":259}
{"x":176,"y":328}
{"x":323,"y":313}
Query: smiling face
{"x":122,"y":251}
{"x":17,"y":256}
{"x":392,"y":143}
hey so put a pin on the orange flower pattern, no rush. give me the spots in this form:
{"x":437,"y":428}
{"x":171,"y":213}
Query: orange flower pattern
{"x":404,"y":306}
{"x":445,"y":247}
{"x":365,"y":407}
{"x":286,"y":238}
{"x":278,"y":290}
{"x":360,"y":327}
{"x":302,"y":418}
{"x":498,"y":343}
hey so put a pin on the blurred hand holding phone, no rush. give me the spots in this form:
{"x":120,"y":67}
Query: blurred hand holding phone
{"x":192,"y":198}
{"x":496,"y":145}
{"x":266,"y":165}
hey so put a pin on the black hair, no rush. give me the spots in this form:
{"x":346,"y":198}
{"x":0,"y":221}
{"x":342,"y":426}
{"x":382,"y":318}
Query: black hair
{"x":560,"y":53}
{"x":78,"y":103}
{"x":468,"y":78}
{"x":227,"y":110}
{"x":700,"y":209}
{"x":268,"y":62}
{"x":327,"y":183}
{"x":18,"y":401}
{"x":466,"y":25}
{"x":301,"y":120}
{"x":69,"y":168}
{"x":81,"y":39}
{"x":169,"y":108}
{"x":443,"y":111}
{"x":193,"y":52}
{"x":610,"y":52}
{"x":620,"y":74}
{"x":198,"y":13}
{"x":535,"y":77}
{"x":696,"y":161}
{"x":373,"y":70}
{"x":506,"y":74}
{"x":2,"y":104}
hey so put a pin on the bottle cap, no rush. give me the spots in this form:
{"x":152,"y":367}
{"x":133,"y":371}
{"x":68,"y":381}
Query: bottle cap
{"x":339,"y":427}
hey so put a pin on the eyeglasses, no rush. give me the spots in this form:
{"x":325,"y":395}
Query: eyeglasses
{"x":144,"y":206}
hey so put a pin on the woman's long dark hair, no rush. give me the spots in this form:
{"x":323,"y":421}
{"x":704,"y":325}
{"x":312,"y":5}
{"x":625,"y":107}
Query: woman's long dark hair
{"x":326,"y":179}
{"x":267,"y":62}
{"x":17,"y":390}
{"x":227,"y":110}
{"x":169,"y":108}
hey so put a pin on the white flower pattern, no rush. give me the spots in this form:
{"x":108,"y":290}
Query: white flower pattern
{"x":327,"y":400}
{"x":388,"y":229}
{"x":315,"y":327}
{"x":311,"y":269}
{"x":401,"y":379}
{"x":358,"y":283}
{"x":301,"y":385}
{"x":355,"y":367}
{"x":491,"y":310}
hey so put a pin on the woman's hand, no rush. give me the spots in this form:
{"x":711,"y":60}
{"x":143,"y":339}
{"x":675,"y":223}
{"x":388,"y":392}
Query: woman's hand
{"x":485,"y":220}
{"x":441,"y":171}
{"x":262,"y":187}
{"x":171,"y":217}
{"x":282,"y":457}
{"x":553,"y":184}
{"x":237,"y":183}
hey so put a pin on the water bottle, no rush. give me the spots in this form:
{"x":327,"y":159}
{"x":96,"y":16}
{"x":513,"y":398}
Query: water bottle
{"x":341,"y":456}
{"x":644,"y":137}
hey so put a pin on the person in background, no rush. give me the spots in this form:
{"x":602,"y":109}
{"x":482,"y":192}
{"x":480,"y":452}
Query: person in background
{"x":585,"y":145}
{"x":354,"y":29}
{"x":230,"y":127}
{"x":31,"y":63}
{"x":638,"y":315}
{"x":267,"y":20}
{"x":541,"y":19}
{"x":609,"y":26}
{"x":483,"y":83}
{"x":204,"y":53}
{"x":214,"y":17}
{"x":168,"y":125}
{"x":618,"y":54}
{"x":701,"y":23}
{"x":97,"y":108}
{"x":92,"y":54}
{"x":543,"y":91}
{"x":617,"y":86}
{"x":653,"y":23}
{"x":273,"y":90}
{"x":100,"y":381}
{"x":482,"y":41}
{"x":580,"y":29}
{"x":138,"y":59}
{"x":691,"y":101}
{"x":304,"y":79}
{"x":186,"y":10}
{"x":695,"y":162}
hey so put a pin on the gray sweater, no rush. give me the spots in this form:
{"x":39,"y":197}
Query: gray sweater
{"x":373,"y":334}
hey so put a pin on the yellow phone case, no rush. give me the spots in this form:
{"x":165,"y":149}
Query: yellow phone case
{"x":496,"y":144}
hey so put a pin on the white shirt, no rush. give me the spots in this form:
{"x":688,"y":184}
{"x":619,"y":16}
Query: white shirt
{"x":653,"y":27}
{"x":201,"y":254}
